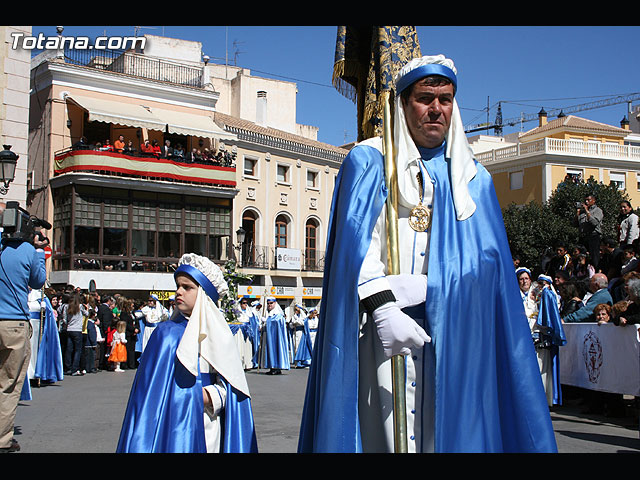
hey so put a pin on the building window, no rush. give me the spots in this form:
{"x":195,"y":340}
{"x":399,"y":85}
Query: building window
{"x":310,"y":244}
{"x":115,"y":229}
{"x":281,"y":231}
{"x":573,"y":175}
{"x":618,"y":179}
{"x":312,"y":179}
{"x":515,"y":180}
{"x":282,"y":175}
{"x":250,"y":167}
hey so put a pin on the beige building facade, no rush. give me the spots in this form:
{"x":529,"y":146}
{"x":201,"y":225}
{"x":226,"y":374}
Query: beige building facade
{"x":14,"y":109}
{"x":123,"y":219}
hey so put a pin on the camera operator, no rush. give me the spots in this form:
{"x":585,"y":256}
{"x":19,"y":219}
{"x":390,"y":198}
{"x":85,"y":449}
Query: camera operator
{"x":589,"y":219}
{"x":22,"y":266}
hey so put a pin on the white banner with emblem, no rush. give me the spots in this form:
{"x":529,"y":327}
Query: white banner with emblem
{"x":601,"y":357}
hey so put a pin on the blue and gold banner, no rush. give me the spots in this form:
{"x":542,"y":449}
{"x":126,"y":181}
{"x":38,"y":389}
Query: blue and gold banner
{"x":367,"y":59}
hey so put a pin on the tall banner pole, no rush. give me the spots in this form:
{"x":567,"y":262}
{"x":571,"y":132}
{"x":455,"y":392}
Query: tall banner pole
{"x":393,"y":261}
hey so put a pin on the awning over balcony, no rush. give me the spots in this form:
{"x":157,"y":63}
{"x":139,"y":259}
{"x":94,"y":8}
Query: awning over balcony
{"x":152,"y":118}
{"x":183,"y":123}
{"x":128,"y":114}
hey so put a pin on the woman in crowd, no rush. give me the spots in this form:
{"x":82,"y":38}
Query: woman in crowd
{"x":73,"y":315}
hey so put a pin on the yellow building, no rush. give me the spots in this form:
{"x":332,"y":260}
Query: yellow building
{"x":531,"y":167}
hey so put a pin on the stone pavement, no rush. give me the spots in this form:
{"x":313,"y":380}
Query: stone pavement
{"x":84,"y":415}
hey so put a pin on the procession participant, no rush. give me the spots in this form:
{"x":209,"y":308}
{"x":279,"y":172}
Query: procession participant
{"x":473,"y":383}
{"x":45,"y":364}
{"x":276,"y":341}
{"x":296,"y":324}
{"x":154,"y":313}
{"x":548,"y":335}
{"x":304,"y":348}
{"x":190,"y":393}
{"x":312,"y":320}
{"x":242,"y":332}
{"x":523,"y":274}
{"x":254,"y":325}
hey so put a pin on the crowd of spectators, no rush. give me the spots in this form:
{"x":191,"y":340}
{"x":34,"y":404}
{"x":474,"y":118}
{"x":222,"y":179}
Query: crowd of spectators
{"x":596,"y":281}
{"x":601,"y":269}
{"x":87,"y":322}
{"x":152,"y":149}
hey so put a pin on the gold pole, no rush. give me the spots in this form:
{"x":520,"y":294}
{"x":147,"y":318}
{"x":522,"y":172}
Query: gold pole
{"x":398,"y":361}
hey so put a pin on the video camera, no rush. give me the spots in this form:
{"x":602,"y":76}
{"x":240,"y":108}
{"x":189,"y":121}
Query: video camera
{"x":19,"y":225}
{"x":541,"y":336}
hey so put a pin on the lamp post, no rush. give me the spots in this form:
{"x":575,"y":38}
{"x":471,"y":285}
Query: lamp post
{"x":240,"y":234}
{"x":8,"y":161}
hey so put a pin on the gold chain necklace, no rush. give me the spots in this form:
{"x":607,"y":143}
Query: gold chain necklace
{"x":420,"y":216}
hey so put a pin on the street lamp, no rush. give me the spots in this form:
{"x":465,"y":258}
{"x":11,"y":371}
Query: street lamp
{"x":8,"y":161}
{"x":240,"y":234}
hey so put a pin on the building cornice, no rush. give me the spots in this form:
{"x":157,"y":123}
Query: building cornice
{"x":86,"y":78}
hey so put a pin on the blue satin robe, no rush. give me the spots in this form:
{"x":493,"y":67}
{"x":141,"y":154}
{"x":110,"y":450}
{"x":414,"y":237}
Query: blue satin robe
{"x":165,"y":412}
{"x":48,"y":367}
{"x":549,"y":316}
{"x":305,"y":348}
{"x":276,"y":343}
{"x":489,"y":395}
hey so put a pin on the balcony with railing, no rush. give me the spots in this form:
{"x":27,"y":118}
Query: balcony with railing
{"x":265,"y":258}
{"x":137,"y":65}
{"x":215,"y":171}
{"x":556,"y":146}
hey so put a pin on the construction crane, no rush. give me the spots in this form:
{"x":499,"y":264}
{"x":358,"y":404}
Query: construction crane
{"x":499,"y":123}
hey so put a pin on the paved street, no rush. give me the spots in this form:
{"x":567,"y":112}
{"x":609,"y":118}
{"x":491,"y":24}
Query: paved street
{"x":84,"y":415}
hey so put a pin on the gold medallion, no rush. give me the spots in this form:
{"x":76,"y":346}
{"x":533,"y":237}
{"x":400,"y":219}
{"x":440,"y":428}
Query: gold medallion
{"x":420,"y":218}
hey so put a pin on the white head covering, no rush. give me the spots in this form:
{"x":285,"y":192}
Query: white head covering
{"x":207,"y":333}
{"x":463,"y":168}
{"x":275,"y":310}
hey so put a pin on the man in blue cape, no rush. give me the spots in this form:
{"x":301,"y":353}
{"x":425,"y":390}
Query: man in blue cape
{"x":188,"y":357}
{"x":455,"y":312}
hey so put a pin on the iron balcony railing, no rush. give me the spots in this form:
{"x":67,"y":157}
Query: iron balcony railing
{"x":137,"y":65}
{"x":263,"y":257}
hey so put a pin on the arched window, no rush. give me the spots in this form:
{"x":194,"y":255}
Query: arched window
{"x":282,"y":224}
{"x":310,"y":244}
{"x":249,"y":219}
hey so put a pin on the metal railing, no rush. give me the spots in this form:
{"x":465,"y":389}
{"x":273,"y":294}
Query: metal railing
{"x":137,"y":65}
{"x":263,"y":257}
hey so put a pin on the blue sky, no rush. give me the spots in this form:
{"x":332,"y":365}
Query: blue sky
{"x":527,"y":68}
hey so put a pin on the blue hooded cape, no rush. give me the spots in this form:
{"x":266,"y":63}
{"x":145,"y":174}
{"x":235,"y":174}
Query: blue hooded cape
{"x":49,"y":359}
{"x":277,"y":343}
{"x":165,"y":412}
{"x":303,"y":353}
{"x":549,"y":316}
{"x":489,"y":393}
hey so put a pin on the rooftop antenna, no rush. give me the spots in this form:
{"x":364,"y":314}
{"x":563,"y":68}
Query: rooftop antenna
{"x":236,"y":52}
{"x":136,"y":30}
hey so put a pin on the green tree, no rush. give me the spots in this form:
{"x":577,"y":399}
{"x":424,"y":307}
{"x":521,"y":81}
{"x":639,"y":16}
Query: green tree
{"x":534,"y":229}
{"x":531,"y":230}
{"x":233,"y":279}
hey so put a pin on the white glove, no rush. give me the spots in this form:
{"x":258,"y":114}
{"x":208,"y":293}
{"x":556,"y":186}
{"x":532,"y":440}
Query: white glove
{"x":408,"y":289}
{"x":398,"y":332}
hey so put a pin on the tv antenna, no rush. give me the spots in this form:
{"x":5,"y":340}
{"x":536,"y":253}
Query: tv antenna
{"x":136,"y":30}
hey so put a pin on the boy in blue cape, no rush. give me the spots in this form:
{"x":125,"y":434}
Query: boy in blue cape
{"x":190,"y":393}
